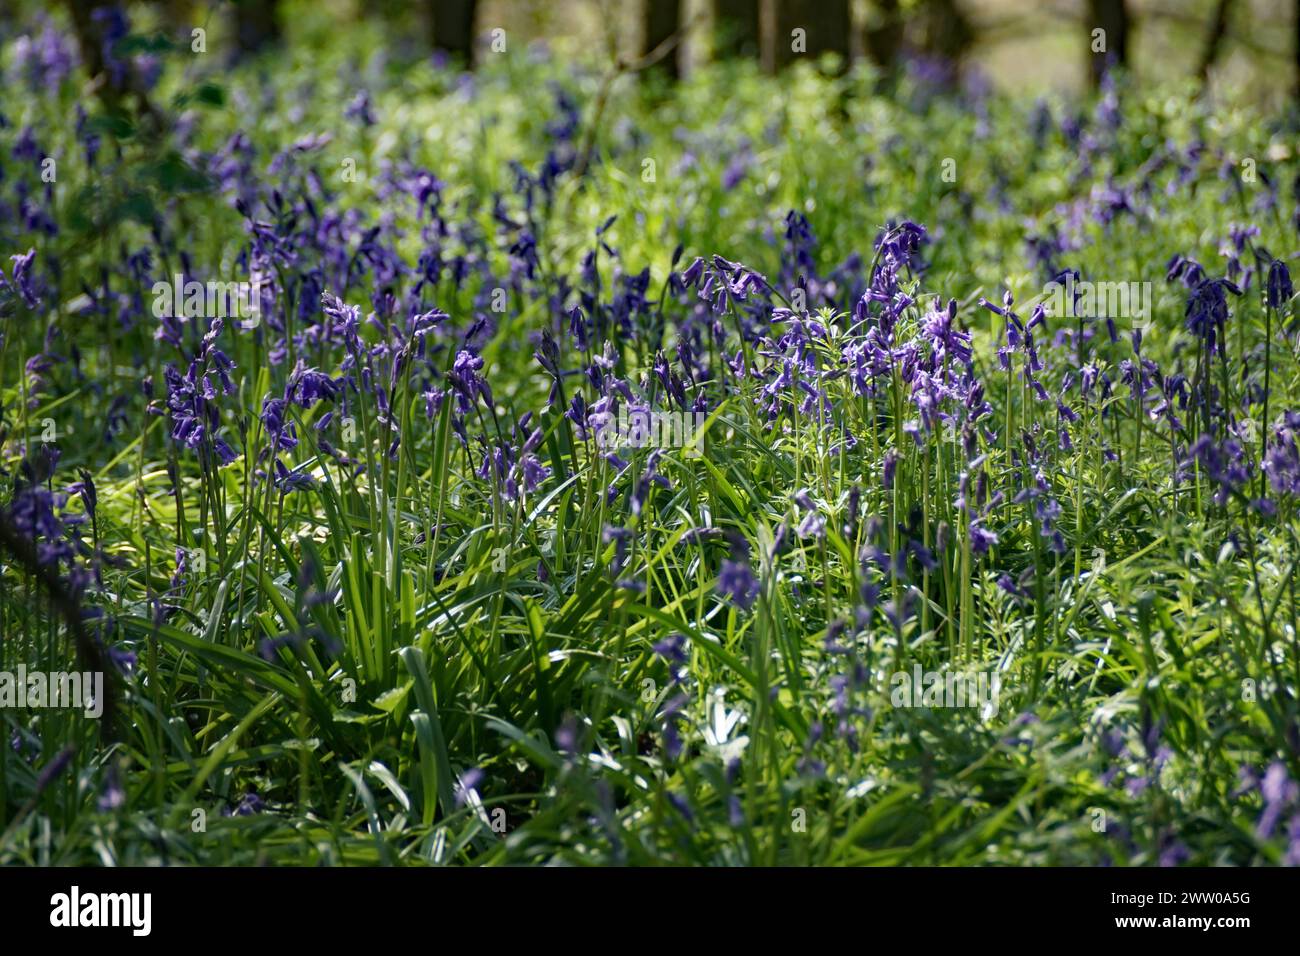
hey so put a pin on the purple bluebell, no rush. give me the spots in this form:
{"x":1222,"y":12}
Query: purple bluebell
{"x":1278,"y":290}
{"x":23,"y":278}
{"x":736,"y":580}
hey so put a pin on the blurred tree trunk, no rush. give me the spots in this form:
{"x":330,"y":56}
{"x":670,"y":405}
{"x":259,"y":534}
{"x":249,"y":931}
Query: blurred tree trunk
{"x":884,"y":34}
{"x":948,"y":33}
{"x":453,"y":29}
{"x":1112,"y":17}
{"x":178,"y":18}
{"x":90,"y":41}
{"x":257,"y":25}
{"x":1214,"y":39}
{"x":109,"y":88}
{"x":736,"y":28}
{"x":827,"y":27}
{"x":661,"y":20}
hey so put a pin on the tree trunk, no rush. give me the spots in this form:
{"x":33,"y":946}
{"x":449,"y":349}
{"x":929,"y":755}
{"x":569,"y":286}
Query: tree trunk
{"x":1112,"y":17}
{"x":735,"y":28}
{"x":661,"y":20}
{"x":1214,"y":39}
{"x":257,"y":25}
{"x":884,"y":34}
{"x":178,"y":18}
{"x":90,"y":41}
{"x":795,"y":28}
{"x":112,"y":87}
{"x":948,"y":34}
{"x":453,"y":29}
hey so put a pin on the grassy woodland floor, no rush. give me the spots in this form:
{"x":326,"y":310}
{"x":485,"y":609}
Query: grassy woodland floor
{"x":375,"y":579}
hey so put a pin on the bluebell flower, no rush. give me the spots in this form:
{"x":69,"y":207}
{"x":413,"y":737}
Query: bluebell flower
{"x":681,"y":805}
{"x":283,"y":434}
{"x":1173,"y":852}
{"x":889,"y":469}
{"x":736,"y":582}
{"x":1278,"y":289}
{"x":467,"y":381}
{"x":249,"y":804}
{"x":85,"y":488}
{"x":359,"y":109}
{"x":467,"y":784}
{"x":1207,"y":310}
{"x":52,"y":770}
{"x":288,"y":481}
{"x":23,"y":279}
{"x":113,"y":795}
{"x":1223,"y":463}
{"x":946,"y":341}
{"x":672,"y":648}
{"x":34,"y":514}
{"x":1280,"y":792}
{"x":1282,"y":456}
{"x":307,"y":386}
{"x":981,"y":538}
{"x":190,"y":400}
{"x":46,"y":59}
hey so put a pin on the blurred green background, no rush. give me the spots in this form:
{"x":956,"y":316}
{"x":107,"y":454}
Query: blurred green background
{"x":1251,"y":47}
